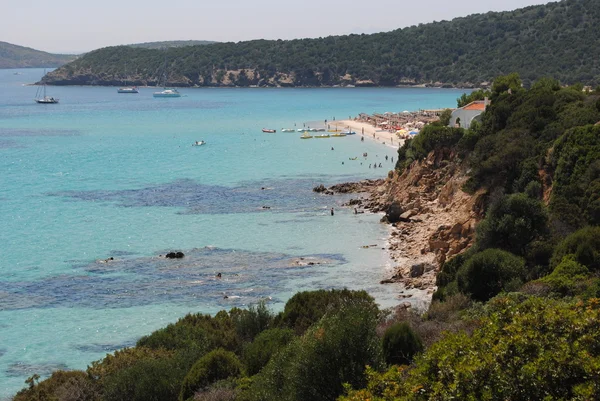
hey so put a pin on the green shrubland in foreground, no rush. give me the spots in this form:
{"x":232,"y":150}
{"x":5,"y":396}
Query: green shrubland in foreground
{"x":515,"y":317}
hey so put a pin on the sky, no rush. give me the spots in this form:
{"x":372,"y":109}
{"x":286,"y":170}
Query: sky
{"x":76,"y":26}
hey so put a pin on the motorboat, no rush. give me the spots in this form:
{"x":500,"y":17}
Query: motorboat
{"x":349,"y":132}
{"x":320,"y":129}
{"x":306,"y":135}
{"x":322,"y":136}
{"x":167,"y":93}
{"x":268,"y":130}
{"x":199,"y":143}
{"x":288,"y":130}
{"x":338,"y":135}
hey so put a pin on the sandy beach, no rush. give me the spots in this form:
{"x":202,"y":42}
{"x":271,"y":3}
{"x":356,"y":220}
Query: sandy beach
{"x":371,"y":133}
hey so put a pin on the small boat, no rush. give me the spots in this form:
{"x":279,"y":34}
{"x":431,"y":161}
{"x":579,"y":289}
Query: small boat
{"x":334,"y":130}
{"x":301,"y":129}
{"x":320,"y":130}
{"x":288,"y":130}
{"x":349,"y":132}
{"x":338,"y":135}
{"x":167,"y":93}
{"x":44,"y":99}
{"x":322,"y":136}
{"x":128,"y":89}
{"x":306,"y":135}
{"x":270,"y":131}
{"x":199,"y":143}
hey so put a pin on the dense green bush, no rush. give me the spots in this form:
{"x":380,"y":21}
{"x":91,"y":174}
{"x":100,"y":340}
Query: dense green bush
{"x":265,"y":345}
{"x":306,"y":308}
{"x":512,"y":223}
{"x":252,"y":321}
{"x":431,"y":137}
{"x":332,"y":352}
{"x":487,"y":273}
{"x":568,"y":278}
{"x":214,"y":366}
{"x":400,"y":344}
{"x":196,"y":331}
{"x":584,"y":245}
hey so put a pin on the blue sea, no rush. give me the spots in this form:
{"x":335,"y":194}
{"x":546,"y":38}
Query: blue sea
{"x":105,"y":175}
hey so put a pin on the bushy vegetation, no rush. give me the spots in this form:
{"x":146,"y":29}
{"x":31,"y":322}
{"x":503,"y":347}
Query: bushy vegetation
{"x":212,"y":367}
{"x":557,"y":39}
{"x":524,"y":349}
{"x":400,"y":344}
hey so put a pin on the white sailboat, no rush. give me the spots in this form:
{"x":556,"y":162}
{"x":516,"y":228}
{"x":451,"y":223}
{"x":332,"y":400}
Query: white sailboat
{"x":127,"y":89}
{"x":41,"y":97}
{"x":166,"y":92}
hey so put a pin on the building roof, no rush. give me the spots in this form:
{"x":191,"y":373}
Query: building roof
{"x":476,"y":105}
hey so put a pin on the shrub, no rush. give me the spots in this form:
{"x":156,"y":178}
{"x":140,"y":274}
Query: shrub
{"x":61,"y":385}
{"x":400,"y":344}
{"x":306,"y":308}
{"x":249,"y":323}
{"x":567,"y":277}
{"x":512,"y":223}
{"x":216,"y":365}
{"x":489,"y":272}
{"x":332,"y":352}
{"x":584,"y":245}
{"x":197,"y":331}
{"x":265,"y":345}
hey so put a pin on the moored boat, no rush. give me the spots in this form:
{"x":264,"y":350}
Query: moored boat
{"x":306,"y":135}
{"x":322,"y":136}
{"x":167,"y":93}
{"x":338,"y":135}
{"x":44,"y":99}
{"x":271,"y":131}
{"x":288,"y":130}
{"x":128,"y":89}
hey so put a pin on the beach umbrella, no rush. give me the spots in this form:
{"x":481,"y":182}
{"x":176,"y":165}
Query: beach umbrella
{"x":413,"y":132}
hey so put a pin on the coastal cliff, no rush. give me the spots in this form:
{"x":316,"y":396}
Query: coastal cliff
{"x":431,"y":218}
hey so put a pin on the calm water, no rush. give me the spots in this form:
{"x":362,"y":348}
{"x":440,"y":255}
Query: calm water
{"x":104,"y":175}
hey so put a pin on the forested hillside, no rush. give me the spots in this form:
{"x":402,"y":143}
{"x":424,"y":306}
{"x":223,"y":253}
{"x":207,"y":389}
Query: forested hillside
{"x":171,"y":43}
{"x":559,"y":40}
{"x":13,"y":56}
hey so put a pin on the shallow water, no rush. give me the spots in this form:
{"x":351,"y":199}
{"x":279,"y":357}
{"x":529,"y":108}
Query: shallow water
{"x":103,"y":175}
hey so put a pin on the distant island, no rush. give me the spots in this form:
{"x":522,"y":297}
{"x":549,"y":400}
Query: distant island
{"x":557,"y":40}
{"x":13,"y":56}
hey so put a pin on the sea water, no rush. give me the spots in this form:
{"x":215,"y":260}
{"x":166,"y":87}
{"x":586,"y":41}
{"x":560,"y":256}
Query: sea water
{"x":104,"y":175}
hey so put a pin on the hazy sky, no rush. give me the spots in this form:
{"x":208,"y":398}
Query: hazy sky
{"x":83,"y":25}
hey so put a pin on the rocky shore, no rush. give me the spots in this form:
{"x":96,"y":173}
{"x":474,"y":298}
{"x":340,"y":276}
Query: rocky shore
{"x":430,"y":218}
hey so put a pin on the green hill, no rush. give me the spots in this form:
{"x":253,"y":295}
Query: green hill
{"x":559,"y":40}
{"x":171,"y":43}
{"x":13,"y":56}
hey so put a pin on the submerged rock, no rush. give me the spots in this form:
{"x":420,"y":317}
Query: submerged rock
{"x":174,"y":255}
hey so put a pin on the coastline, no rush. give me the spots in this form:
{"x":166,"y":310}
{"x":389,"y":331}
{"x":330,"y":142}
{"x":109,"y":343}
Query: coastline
{"x":368,"y":131}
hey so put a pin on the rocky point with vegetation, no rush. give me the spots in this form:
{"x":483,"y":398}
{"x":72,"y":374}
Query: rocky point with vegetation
{"x":516,"y":310}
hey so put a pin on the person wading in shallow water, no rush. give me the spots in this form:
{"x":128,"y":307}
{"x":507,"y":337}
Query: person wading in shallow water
{"x":332,"y":211}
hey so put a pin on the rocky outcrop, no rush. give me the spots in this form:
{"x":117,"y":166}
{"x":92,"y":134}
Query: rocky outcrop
{"x":174,"y":255}
{"x":431,"y":219}
{"x":349,"y":187}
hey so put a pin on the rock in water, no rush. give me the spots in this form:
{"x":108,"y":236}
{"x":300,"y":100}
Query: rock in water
{"x":174,"y":255}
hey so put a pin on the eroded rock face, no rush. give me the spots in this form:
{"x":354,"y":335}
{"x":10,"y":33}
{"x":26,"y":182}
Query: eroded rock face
{"x":432,"y":218}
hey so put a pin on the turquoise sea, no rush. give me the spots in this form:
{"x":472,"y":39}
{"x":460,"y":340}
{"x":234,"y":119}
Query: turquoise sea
{"x":103,"y":175}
